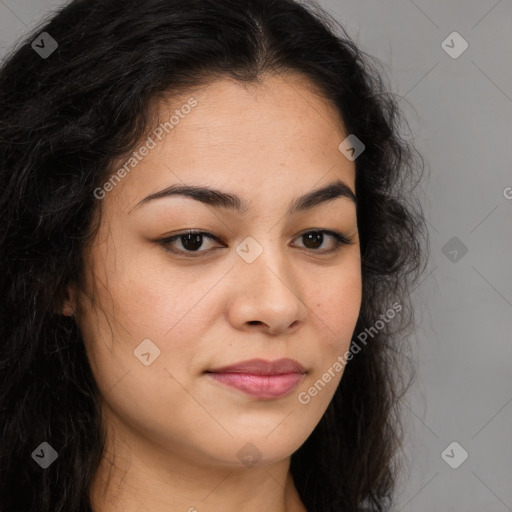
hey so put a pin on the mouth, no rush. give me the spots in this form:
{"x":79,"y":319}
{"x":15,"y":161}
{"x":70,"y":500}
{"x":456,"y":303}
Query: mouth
{"x":261,"y":379}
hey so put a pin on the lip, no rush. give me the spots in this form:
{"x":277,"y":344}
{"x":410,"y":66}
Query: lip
{"x":262,"y":367}
{"x":261,"y":379}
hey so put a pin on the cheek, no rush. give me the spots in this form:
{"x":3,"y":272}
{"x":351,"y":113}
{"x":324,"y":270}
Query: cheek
{"x":145,"y":301}
{"x":337,"y":308}
{"x":336,"y":313}
{"x":139,"y":320}
{"x":143,"y":295}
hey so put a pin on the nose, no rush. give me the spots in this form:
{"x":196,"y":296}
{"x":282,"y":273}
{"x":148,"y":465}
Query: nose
{"x":267,"y":296}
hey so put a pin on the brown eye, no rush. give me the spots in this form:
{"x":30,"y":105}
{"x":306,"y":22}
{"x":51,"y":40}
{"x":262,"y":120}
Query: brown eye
{"x":192,"y":241}
{"x":313,"y":240}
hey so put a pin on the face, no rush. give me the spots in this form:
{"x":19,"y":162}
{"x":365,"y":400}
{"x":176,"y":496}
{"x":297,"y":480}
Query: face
{"x":161,"y":316}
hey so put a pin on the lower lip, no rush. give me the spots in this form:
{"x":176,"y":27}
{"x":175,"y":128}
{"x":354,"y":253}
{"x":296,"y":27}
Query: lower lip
{"x":260,"y":386}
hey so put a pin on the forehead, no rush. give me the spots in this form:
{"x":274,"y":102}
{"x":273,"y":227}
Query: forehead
{"x":284,"y":105}
{"x":276,"y":135}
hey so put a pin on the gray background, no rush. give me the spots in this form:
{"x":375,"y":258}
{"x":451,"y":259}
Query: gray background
{"x":460,"y":112}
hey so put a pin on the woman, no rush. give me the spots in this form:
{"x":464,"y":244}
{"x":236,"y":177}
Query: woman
{"x":208,"y":245}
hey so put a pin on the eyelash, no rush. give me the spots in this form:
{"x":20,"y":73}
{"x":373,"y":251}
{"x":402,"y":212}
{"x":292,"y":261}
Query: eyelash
{"x":339,"y":238}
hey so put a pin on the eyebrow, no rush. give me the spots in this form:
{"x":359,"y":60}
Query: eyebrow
{"x":220,"y":199}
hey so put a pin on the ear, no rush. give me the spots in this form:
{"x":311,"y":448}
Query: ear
{"x":68,"y":304}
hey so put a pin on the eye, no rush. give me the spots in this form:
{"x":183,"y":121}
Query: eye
{"x":313,"y":239}
{"x":191,"y":241}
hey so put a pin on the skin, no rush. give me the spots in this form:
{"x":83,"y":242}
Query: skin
{"x":173,"y":433}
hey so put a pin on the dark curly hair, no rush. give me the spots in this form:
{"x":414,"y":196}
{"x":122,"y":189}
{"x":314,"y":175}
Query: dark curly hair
{"x":64,"y":122}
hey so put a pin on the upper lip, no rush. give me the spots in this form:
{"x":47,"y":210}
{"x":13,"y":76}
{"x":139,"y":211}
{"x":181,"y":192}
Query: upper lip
{"x":262,"y":367}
